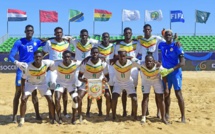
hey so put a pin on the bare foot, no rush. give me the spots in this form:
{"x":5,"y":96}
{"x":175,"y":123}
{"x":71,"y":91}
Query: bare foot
{"x":183,"y":120}
{"x":14,"y":120}
{"x":38,"y":117}
{"x":88,"y":115}
{"x":107,"y":118}
{"x":100,"y":114}
{"x":80,"y":118}
{"x":165,"y":121}
{"x":124,"y":114}
{"x":73,"y":121}
{"x":167,"y":116}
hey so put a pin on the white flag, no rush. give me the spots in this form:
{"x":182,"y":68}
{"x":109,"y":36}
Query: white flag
{"x":153,"y":15}
{"x":130,"y":15}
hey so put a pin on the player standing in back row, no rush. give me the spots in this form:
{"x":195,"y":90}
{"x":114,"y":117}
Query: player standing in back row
{"x":26,"y":48}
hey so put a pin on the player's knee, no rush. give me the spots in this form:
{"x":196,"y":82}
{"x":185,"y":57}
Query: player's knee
{"x":74,"y":97}
{"x":107,"y":94}
{"x":134,"y":99}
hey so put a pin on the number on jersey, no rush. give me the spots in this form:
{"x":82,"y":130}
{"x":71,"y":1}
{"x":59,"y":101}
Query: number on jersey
{"x":67,"y":76}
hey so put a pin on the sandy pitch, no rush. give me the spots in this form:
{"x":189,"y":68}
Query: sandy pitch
{"x":198,"y":92}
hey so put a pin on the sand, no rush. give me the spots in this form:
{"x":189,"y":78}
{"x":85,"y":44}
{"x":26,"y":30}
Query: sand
{"x":198,"y":92}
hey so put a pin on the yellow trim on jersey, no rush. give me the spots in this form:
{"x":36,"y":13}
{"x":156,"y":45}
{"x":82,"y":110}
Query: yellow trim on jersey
{"x":105,"y":51}
{"x":38,"y":72}
{"x":147,"y":42}
{"x":129,"y":47}
{"x":94,"y":69}
{"x":122,"y":69}
{"x":60,"y":47}
{"x":66,"y":70}
{"x":85,"y":48}
{"x":149,"y":73}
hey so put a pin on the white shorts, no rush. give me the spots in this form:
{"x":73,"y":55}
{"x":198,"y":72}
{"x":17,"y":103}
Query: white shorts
{"x":111,"y":75}
{"x":156,"y":84}
{"x":69,"y":86}
{"x":128,"y":86}
{"x":51,"y":78}
{"x":43,"y":89}
{"x":134,"y":75}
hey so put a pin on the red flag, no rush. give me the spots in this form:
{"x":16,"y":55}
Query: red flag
{"x":48,"y":16}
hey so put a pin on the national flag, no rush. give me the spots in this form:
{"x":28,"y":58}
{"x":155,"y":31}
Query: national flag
{"x":75,"y":16}
{"x":130,"y":15}
{"x":153,"y":15}
{"x":16,"y":15}
{"x":201,"y":16}
{"x":177,"y":16}
{"x":102,"y":15}
{"x":48,"y":16}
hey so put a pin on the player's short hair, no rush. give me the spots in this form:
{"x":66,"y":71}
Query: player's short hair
{"x":149,"y":55}
{"x":105,"y":33}
{"x":83,"y":30}
{"x":94,"y":49}
{"x":147,"y":25}
{"x":66,"y":52}
{"x":58,"y":28}
{"x":168,"y":30}
{"x":29,"y":26}
{"x":127,"y":28}
{"x":121,"y":50}
{"x":38,"y":51}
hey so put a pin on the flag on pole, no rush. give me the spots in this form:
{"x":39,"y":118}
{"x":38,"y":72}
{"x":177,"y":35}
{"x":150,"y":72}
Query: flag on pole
{"x":201,"y":16}
{"x":75,"y":16}
{"x":130,"y":15}
{"x":153,"y":15}
{"x":177,"y":16}
{"x":102,"y":15}
{"x":16,"y":15}
{"x":48,"y":16}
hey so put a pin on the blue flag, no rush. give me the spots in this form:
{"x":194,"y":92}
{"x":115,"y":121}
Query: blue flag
{"x":176,"y":16}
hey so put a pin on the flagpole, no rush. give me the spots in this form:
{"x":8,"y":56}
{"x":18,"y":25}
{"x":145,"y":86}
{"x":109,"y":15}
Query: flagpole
{"x":170,"y":21}
{"x":39,"y":24}
{"x":93,"y":27}
{"x":145,"y":18}
{"x":7,"y":24}
{"x":195,"y":25}
{"x":122,"y":25}
{"x":69,"y":24}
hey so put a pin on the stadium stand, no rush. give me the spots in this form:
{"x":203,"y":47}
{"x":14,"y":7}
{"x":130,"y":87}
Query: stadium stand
{"x":189,"y":43}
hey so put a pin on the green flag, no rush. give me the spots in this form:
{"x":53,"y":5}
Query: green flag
{"x":201,"y":16}
{"x":76,"y":16}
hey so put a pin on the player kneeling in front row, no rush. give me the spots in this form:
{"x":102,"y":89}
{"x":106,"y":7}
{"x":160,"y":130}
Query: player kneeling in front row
{"x":65,"y":80}
{"x":123,"y":81}
{"x":94,"y":68}
{"x":34,"y":78}
{"x":151,"y":76}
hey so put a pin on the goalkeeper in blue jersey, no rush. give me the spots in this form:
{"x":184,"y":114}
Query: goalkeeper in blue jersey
{"x":26,"y":48}
{"x":173,"y":57}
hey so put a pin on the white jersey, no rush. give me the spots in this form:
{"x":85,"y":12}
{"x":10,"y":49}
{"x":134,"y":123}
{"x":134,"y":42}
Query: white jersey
{"x":130,"y":48}
{"x":56,"y":49}
{"x":66,"y":74}
{"x":36,"y":76}
{"x":147,"y":74}
{"x":149,"y":45}
{"x":107,"y":52}
{"x":94,"y":71}
{"x":123,"y":73}
{"x":83,"y":51}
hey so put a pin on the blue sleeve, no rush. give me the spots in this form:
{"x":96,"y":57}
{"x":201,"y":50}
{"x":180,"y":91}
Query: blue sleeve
{"x":40,"y":43}
{"x":179,"y":50}
{"x":14,"y":50}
